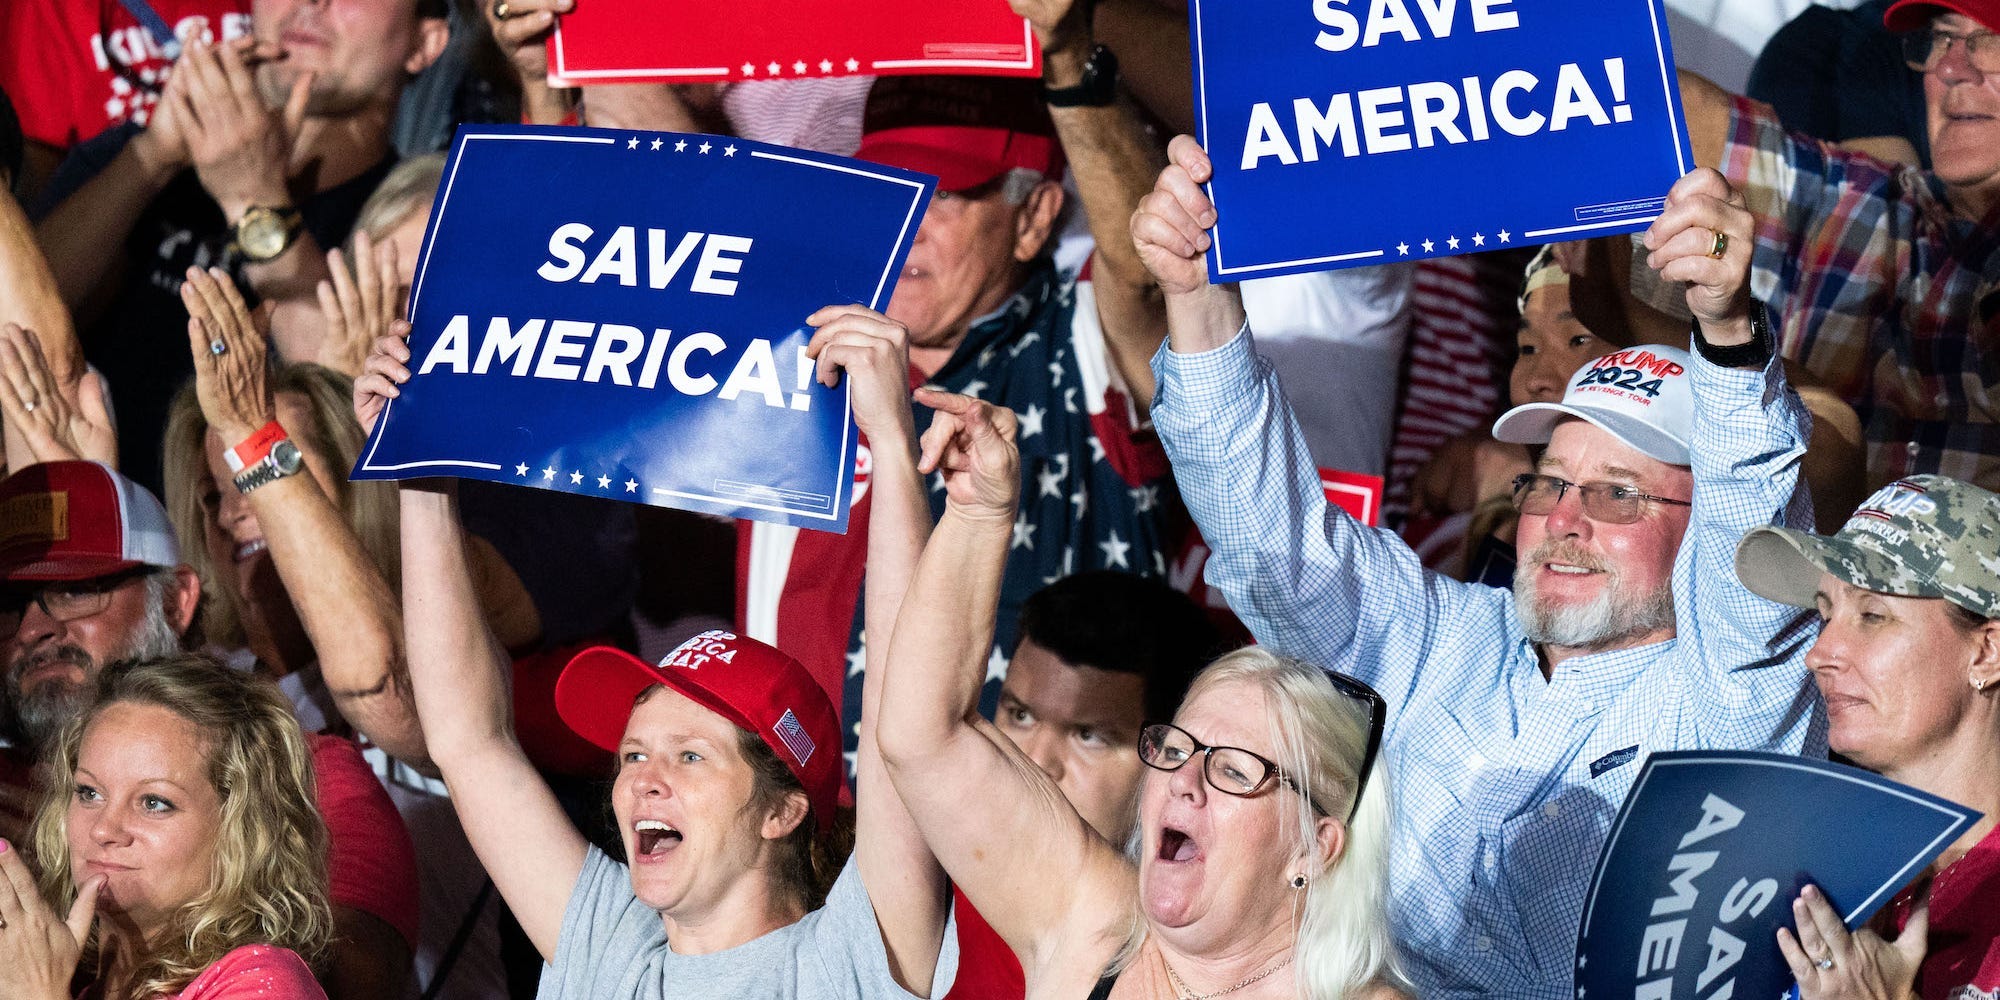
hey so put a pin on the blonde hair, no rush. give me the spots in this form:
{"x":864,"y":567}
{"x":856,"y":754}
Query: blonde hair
{"x":330,"y":434}
{"x":412,"y":183}
{"x":269,"y":880}
{"x":1342,"y":943}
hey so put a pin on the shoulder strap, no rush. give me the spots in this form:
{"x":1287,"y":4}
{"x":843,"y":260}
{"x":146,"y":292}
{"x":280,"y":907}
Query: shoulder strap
{"x":156,"y":25}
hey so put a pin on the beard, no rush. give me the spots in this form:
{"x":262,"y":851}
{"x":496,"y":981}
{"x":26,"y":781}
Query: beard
{"x":41,"y":714}
{"x":1615,"y":615}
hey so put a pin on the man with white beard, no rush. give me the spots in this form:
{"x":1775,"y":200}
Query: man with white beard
{"x":1516,"y":722}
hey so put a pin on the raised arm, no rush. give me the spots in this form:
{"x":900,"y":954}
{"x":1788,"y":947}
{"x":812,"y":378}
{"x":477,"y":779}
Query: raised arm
{"x":1750,"y":433}
{"x":1016,"y":846}
{"x":347,"y":607}
{"x":1113,"y":160}
{"x":1707,"y":108}
{"x":459,"y":675}
{"x":1307,"y":579}
{"x":904,"y":881}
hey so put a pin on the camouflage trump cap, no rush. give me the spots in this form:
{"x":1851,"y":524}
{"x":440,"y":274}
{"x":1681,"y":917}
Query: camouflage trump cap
{"x":1922,"y":536}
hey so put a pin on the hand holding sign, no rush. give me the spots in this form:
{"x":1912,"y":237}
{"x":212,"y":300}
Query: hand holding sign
{"x":874,"y":351}
{"x":1705,"y":215}
{"x":971,"y":444}
{"x":1170,"y":229}
{"x":382,"y":375}
{"x":1831,"y":964}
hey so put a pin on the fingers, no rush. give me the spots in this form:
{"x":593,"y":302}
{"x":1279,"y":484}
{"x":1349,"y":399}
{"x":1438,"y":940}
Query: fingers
{"x":1185,"y":152}
{"x":1914,"y":942}
{"x":348,"y":293}
{"x":1795,"y":956}
{"x":963,"y":424}
{"x":296,"y":102}
{"x":17,"y":884}
{"x":851,"y":337}
{"x":1817,"y":948}
{"x":389,"y":284}
{"x":84,"y":909}
{"x":1831,"y":928}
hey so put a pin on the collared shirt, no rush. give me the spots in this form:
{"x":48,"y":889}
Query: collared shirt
{"x":1882,"y":293}
{"x":1505,"y":784}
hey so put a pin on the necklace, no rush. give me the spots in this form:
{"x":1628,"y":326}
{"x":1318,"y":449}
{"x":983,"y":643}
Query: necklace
{"x":1187,"y":993}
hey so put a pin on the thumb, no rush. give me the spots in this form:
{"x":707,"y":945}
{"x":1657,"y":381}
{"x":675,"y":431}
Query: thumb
{"x":295,"y":106}
{"x":1914,"y":942}
{"x":84,"y":910}
{"x":90,"y":400}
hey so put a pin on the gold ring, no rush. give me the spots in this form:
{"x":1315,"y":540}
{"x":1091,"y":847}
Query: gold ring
{"x":1720,"y":247}
{"x":501,"y":10}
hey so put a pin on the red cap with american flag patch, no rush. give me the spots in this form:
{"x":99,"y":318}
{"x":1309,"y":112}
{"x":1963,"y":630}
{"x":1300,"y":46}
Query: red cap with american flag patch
{"x":754,"y":685}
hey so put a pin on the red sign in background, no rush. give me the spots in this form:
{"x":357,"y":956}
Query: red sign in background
{"x":683,"y":41}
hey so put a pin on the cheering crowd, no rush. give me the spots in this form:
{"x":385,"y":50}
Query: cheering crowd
{"x":1099,"y":696}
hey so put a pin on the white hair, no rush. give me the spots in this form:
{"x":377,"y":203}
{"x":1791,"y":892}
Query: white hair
{"x":1019,"y":183}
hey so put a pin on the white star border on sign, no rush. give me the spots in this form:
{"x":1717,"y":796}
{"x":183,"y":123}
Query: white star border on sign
{"x":1452,"y":243}
{"x":825,"y":64}
{"x":605,"y":481}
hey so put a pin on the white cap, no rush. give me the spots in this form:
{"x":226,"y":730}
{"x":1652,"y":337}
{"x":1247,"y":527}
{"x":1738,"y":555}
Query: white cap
{"x":1642,"y":395}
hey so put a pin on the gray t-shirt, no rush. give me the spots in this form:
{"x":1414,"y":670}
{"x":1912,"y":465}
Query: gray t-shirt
{"x":614,"y":947}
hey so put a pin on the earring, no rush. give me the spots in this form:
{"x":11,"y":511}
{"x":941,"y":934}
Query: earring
{"x":1298,"y":881}
{"x":1978,"y":684}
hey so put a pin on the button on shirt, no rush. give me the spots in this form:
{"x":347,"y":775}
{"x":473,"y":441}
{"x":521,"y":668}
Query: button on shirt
{"x":1505,"y":784}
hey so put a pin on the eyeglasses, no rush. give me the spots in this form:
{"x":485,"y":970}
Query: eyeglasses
{"x":1924,"y":50}
{"x":1236,"y":771}
{"x":1609,"y":503}
{"x":64,"y":602}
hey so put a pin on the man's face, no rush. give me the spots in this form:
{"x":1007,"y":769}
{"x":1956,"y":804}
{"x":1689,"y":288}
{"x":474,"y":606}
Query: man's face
{"x":361,"y":51}
{"x":52,"y":659}
{"x":1586,"y":585}
{"x":1964,"y":112}
{"x":1081,"y":726}
{"x":961,"y":266}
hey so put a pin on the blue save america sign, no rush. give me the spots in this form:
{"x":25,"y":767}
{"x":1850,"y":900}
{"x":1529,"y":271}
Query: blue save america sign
{"x":1354,"y":132}
{"x":622,"y":315}
{"x":1712,"y":847}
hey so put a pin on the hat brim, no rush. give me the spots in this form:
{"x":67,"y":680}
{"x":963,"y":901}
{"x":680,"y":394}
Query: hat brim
{"x":599,"y":686}
{"x":1535,"y":423}
{"x":1909,"y":15}
{"x":956,"y":171}
{"x":1785,"y":565}
{"x":69,"y":568}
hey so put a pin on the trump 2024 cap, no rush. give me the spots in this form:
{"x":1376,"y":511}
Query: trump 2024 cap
{"x":1641,"y":395}
{"x":76,"y":520}
{"x":751,"y":684}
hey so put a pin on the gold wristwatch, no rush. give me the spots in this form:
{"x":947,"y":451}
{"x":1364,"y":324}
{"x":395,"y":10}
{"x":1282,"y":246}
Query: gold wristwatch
{"x":265,"y":232}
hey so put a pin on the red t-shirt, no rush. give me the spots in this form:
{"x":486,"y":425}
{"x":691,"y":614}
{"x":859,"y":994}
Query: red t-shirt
{"x":76,"y":67}
{"x":987,"y":968}
{"x":254,"y":972}
{"x":370,"y":859}
{"x":1963,"y":962}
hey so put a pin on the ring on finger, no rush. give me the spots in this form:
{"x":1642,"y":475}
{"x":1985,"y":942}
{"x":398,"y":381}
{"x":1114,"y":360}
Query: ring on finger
{"x":217,"y":348}
{"x":1720,"y":246}
{"x":1824,"y":963}
{"x":502,"y":10}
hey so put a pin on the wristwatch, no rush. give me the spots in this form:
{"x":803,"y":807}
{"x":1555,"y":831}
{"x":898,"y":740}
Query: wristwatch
{"x":1754,"y":354}
{"x":1097,"y":89}
{"x":263,"y":458}
{"x":264,"y":232}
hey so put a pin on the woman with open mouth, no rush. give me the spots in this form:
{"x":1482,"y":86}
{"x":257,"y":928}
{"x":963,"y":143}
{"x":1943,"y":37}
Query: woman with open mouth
{"x":1260,"y":862}
{"x":737,"y":881}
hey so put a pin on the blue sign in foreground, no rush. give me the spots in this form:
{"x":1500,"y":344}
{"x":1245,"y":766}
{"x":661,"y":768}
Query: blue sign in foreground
{"x":1353,"y":132}
{"x":622,"y":315}
{"x":1711,"y":848}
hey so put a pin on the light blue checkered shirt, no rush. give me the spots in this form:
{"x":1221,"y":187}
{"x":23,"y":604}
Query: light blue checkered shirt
{"x":1505,"y":783}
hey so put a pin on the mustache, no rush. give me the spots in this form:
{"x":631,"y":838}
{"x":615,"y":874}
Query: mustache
{"x":1563,"y":551}
{"x":73,"y":655}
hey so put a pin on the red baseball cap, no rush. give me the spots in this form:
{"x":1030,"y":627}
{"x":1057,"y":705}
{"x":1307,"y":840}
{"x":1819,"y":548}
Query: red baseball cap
{"x":751,"y":684}
{"x":1909,"y":15}
{"x":79,"y":520}
{"x":964,"y":130}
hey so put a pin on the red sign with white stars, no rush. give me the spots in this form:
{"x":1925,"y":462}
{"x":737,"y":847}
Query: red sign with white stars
{"x":648,"y":41}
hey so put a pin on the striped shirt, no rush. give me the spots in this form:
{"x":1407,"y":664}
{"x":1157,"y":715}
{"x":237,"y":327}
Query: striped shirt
{"x":1506,"y":783}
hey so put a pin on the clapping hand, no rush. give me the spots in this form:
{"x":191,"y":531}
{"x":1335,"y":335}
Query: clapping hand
{"x":240,"y":148}
{"x":230,"y":376}
{"x":56,"y":425}
{"x":39,"y":949}
{"x":358,"y":307}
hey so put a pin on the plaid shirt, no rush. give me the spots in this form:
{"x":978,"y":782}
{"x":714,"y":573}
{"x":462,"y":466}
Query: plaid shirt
{"x":1882,"y":292}
{"x":1505,"y":784}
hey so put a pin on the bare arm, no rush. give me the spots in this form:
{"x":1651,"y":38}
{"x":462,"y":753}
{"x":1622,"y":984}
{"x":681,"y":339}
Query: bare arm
{"x":1017,"y":848}
{"x":1152,"y":44}
{"x":30,"y":297}
{"x":459,"y":675}
{"x":1114,"y":160}
{"x":904,"y":881}
{"x":80,"y":237}
{"x":346,"y":605}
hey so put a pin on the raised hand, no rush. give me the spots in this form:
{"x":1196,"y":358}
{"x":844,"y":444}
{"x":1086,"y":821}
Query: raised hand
{"x":230,"y":377}
{"x":521,"y":28}
{"x":383,"y":375}
{"x":1705,"y":215}
{"x":1832,"y":964}
{"x":41,"y":409}
{"x":1170,"y":229}
{"x":240,"y":148}
{"x":39,"y":948}
{"x":359,"y":307}
{"x":874,"y":351}
{"x":971,"y":444}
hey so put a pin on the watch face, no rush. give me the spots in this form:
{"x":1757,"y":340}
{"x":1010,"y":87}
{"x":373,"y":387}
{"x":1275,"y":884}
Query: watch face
{"x":285,"y":455}
{"x":263,"y":234}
